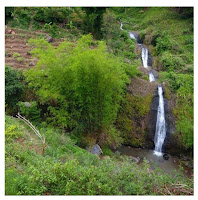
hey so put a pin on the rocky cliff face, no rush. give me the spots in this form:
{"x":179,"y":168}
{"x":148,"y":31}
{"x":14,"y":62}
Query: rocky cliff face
{"x":170,"y":144}
{"x":133,"y":116}
{"x":152,"y":121}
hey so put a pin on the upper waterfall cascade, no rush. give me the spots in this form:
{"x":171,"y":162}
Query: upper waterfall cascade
{"x":132,"y":36}
{"x":145,"y":57}
{"x":160,"y":132}
{"x":121,"y":25}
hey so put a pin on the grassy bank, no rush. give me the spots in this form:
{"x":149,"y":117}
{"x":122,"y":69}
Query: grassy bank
{"x":66,"y":169}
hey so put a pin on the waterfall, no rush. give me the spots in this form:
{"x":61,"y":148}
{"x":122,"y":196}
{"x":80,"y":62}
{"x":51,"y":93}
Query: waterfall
{"x":145,"y":57}
{"x":151,"y":77}
{"x":121,"y":25}
{"x":132,"y":36}
{"x":160,"y":132}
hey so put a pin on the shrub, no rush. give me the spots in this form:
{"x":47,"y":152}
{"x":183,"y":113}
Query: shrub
{"x":31,"y":112}
{"x":171,"y":62}
{"x":110,"y":27}
{"x":163,"y":43}
{"x":16,"y":55}
{"x":12,"y":130}
{"x":83,"y":85}
{"x":182,"y":85}
{"x":13,"y":88}
{"x":69,"y":170}
{"x":52,"y":14}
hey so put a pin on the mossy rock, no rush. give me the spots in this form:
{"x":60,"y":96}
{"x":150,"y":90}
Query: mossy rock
{"x":133,"y":119}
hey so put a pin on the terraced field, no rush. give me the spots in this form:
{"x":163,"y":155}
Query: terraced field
{"x":18,"y":52}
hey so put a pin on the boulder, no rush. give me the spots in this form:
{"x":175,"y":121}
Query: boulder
{"x":50,"y":39}
{"x":166,"y":156}
{"x":32,"y":64}
{"x":27,"y":104}
{"x":95,"y":150}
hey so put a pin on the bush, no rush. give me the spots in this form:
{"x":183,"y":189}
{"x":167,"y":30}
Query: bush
{"x":12,"y":130}
{"x":31,"y":112}
{"x":171,"y":62}
{"x":83,"y":85}
{"x":66,"y":169}
{"x":110,"y":27}
{"x":163,"y":43}
{"x":182,"y":85}
{"x":52,"y":14}
{"x":13,"y":88}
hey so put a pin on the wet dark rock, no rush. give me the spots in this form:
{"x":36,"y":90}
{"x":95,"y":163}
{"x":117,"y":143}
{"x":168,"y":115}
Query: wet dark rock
{"x":166,"y":156}
{"x":155,"y":73}
{"x":185,"y":158}
{"x":8,"y":55}
{"x":170,"y":143}
{"x":152,"y":120}
{"x":149,"y":59}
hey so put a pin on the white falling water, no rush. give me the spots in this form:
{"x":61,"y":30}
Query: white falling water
{"x":151,"y":77}
{"x":121,"y":25}
{"x":160,"y":132}
{"x":145,"y":57}
{"x":132,"y":36}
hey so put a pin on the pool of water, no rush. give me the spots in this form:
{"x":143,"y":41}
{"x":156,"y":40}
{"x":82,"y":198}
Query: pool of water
{"x":171,"y":166}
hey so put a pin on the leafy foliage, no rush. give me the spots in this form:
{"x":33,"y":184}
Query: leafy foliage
{"x":118,"y":41}
{"x":66,"y":169}
{"x":133,"y":111}
{"x":93,"y":20}
{"x":13,"y":87}
{"x":182,"y":84}
{"x":12,"y":130}
{"x":31,"y":112}
{"x":83,"y":84}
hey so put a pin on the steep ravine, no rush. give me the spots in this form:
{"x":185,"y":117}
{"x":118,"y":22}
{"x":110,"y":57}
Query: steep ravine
{"x":169,"y":142}
{"x":143,"y":127}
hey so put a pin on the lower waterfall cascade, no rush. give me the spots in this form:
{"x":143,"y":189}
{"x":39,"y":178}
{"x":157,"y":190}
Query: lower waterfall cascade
{"x":160,"y":132}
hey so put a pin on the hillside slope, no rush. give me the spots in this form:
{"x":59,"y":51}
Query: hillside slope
{"x":66,"y":169}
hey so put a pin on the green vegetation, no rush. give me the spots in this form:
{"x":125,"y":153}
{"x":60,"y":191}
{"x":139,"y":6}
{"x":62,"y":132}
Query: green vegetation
{"x":66,"y":169}
{"x":82,"y":84}
{"x":118,"y":42}
{"x":133,"y":112}
{"x":183,"y":85}
{"x":16,"y":55}
{"x":31,"y":112}
{"x":78,"y":95}
{"x":13,"y":88}
{"x":171,"y":44}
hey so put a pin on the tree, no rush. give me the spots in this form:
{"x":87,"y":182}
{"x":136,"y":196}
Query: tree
{"x":82,"y":84}
{"x":93,"y":20}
